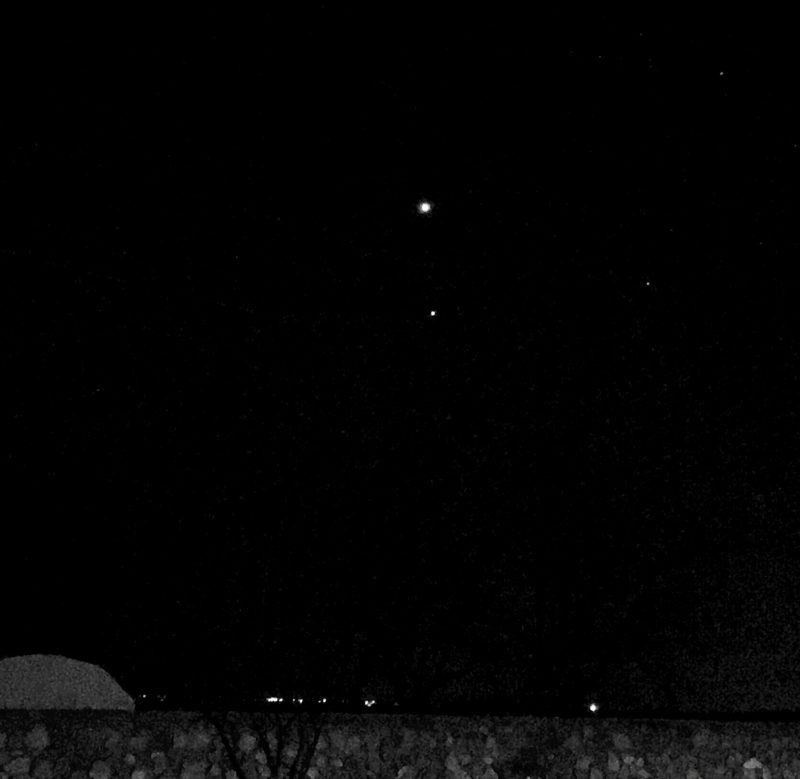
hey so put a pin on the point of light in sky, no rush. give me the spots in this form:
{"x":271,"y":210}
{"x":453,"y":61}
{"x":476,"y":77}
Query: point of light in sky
{"x":433,"y":313}
{"x":424,"y":206}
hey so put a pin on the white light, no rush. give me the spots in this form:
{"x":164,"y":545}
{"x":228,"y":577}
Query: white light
{"x":593,"y":707}
{"x":424,"y":207}
{"x":433,"y":313}
{"x":369,"y":703}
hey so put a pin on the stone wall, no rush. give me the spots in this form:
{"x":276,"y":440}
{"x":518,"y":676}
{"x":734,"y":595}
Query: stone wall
{"x":185,"y":745}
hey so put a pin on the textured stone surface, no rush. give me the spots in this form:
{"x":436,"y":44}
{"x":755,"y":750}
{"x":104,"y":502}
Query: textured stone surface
{"x":56,"y":682}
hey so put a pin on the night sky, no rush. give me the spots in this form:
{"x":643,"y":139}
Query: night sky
{"x":271,"y":425}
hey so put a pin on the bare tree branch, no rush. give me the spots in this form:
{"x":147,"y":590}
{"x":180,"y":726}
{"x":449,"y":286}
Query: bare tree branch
{"x":308,"y":731}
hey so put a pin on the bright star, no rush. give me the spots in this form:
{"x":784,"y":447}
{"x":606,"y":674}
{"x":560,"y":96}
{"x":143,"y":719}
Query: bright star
{"x":424,"y":207}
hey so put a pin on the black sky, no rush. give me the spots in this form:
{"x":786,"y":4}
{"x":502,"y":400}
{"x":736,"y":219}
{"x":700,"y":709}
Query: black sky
{"x":240,"y":452}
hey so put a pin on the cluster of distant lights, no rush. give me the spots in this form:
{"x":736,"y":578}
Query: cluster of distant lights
{"x":274,"y":699}
{"x":368,"y":703}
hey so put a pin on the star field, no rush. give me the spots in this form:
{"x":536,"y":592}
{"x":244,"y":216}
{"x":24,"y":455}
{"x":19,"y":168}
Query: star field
{"x":460,"y":364}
